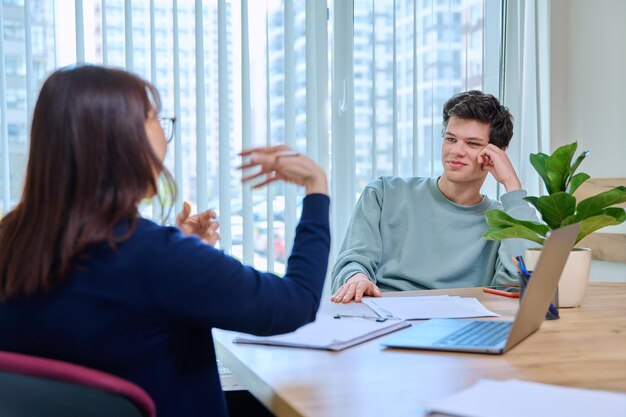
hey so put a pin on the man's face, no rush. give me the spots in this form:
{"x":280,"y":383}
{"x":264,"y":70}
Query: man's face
{"x":462,"y":142}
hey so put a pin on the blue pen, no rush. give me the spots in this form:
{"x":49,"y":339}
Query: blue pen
{"x":522,"y":266}
{"x":553,"y":313}
{"x":552,"y":309}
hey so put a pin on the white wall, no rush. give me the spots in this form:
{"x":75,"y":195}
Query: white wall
{"x":588,"y":82}
{"x":588,"y":92}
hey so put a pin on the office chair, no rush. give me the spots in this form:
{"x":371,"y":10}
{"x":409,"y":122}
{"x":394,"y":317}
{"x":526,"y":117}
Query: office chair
{"x":33,"y":386}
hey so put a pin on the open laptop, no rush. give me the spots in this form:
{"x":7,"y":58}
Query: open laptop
{"x":491,"y":336}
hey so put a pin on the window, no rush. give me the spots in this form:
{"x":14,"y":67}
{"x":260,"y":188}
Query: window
{"x":433,"y":49}
{"x":409,"y":56}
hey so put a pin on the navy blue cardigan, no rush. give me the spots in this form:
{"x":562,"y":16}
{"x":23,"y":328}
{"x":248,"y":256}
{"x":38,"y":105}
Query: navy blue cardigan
{"x":145,"y":310}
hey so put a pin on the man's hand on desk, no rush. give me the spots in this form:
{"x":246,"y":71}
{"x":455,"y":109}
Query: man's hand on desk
{"x":355,"y":288}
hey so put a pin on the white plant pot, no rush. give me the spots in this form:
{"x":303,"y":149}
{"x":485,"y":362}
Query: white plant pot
{"x":575,"y":276}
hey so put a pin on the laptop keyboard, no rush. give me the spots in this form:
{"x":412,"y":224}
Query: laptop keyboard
{"x":478,"y":333}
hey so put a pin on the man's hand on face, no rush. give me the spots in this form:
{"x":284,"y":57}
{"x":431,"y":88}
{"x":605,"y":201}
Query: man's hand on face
{"x":355,"y":288}
{"x":493,"y":159}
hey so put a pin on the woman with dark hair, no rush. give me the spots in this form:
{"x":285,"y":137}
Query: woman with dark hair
{"x":85,"y":279}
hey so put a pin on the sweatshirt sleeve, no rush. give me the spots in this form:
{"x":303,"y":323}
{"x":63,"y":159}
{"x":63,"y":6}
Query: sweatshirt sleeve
{"x":200,"y":286}
{"x":362,"y":246}
{"x":515,"y":206}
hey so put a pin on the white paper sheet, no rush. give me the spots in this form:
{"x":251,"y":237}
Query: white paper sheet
{"x":514,"y":398}
{"x":429,"y":307}
{"x":353,"y":309}
{"x":329,"y":333}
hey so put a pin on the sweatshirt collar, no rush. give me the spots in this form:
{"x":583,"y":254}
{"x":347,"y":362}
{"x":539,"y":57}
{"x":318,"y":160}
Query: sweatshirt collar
{"x":442,"y":199}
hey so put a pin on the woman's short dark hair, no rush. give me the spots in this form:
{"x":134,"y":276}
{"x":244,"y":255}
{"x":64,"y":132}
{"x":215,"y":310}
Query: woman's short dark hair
{"x":90,"y":163}
{"x":485,"y":108}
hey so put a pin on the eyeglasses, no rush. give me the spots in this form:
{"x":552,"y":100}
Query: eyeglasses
{"x":167,"y":123}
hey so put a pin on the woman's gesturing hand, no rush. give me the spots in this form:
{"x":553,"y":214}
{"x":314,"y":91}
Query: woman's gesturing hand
{"x":282,"y":163}
{"x":202,"y":224}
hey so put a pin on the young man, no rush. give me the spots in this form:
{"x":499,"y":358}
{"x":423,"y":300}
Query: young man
{"x":426,"y":233}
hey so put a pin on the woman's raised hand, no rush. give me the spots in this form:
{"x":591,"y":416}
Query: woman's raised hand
{"x":282,"y":163}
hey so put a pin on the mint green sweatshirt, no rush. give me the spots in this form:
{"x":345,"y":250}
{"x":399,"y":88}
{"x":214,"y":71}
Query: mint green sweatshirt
{"x":406,"y":235}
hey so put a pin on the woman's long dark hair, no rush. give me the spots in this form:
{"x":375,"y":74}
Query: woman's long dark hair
{"x":90,"y":164}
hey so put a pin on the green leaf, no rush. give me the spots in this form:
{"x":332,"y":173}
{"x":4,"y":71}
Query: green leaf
{"x":558,"y":166}
{"x":555,"y":208}
{"x":610,"y":216}
{"x":506,"y":232}
{"x":533,"y":200}
{"x":617,"y":213}
{"x":576,"y":163}
{"x":538,"y":160}
{"x":595,"y":204}
{"x":569,"y":220}
{"x":499,"y":218}
{"x":576,"y":181}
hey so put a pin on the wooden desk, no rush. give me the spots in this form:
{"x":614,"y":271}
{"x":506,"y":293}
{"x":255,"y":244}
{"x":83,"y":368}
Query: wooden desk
{"x":585,"y":348}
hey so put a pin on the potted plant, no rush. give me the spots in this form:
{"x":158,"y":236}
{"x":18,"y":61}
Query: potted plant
{"x":558,"y":209}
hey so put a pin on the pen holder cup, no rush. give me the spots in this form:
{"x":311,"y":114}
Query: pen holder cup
{"x":553,"y":309}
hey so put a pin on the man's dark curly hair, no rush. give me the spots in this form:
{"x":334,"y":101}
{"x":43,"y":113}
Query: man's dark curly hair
{"x":485,"y":108}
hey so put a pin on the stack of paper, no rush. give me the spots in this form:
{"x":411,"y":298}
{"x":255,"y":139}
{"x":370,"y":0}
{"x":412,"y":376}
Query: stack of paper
{"x":513,"y":398}
{"x":428,"y":307}
{"x":330,"y":333}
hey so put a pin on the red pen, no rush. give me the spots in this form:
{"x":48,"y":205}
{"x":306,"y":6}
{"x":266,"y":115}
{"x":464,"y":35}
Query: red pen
{"x":512,"y":292}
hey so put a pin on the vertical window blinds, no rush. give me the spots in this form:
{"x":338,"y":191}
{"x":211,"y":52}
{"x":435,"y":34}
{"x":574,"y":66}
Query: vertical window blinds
{"x":358,"y":86}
